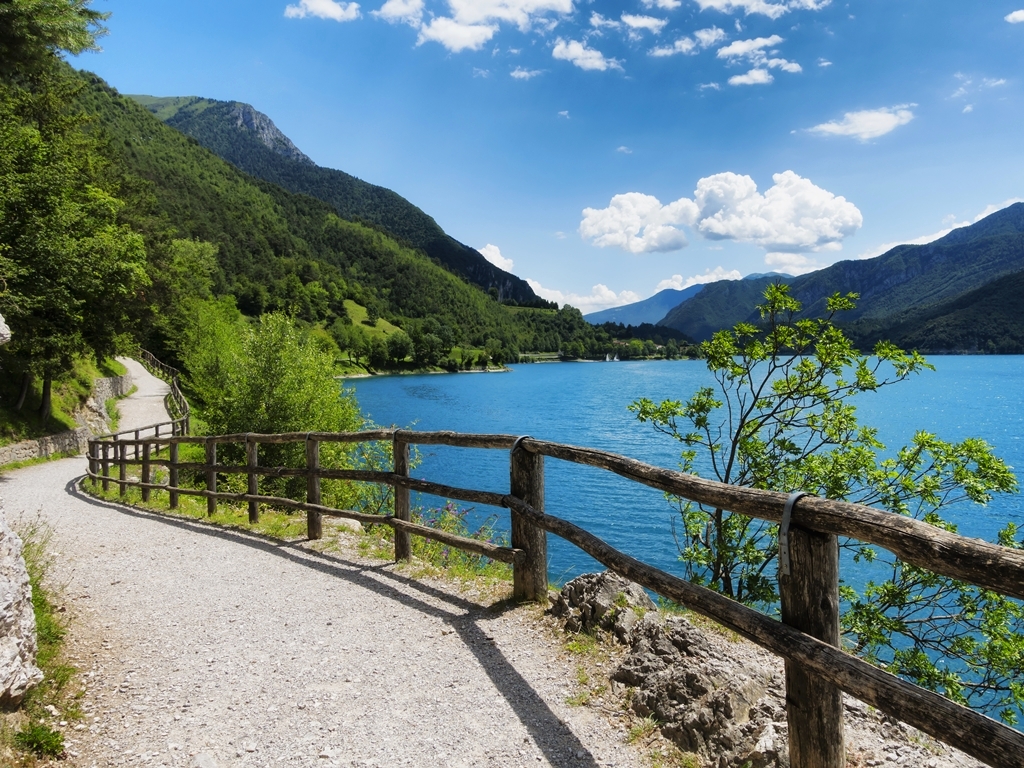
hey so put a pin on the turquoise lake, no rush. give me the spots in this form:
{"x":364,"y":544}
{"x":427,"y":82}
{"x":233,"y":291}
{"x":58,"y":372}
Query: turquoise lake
{"x":586,"y":404}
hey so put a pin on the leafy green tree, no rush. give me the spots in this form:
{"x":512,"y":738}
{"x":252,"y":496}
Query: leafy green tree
{"x":34,"y":32}
{"x":780,"y":417}
{"x":377,"y":352}
{"x":75,"y":271}
{"x":399,"y":346}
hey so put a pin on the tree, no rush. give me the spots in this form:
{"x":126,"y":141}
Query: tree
{"x":399,"y":346}
{"x":34,"y":32}
{"x":780,"y":418}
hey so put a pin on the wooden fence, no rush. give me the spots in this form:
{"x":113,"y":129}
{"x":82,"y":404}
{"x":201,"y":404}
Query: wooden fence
{"x":807,"y":637}
{"x":175,"y":402}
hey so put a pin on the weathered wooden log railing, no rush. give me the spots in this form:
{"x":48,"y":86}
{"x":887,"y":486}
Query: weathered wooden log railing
{"x":817,"y":670}
{"x":175,"y":402}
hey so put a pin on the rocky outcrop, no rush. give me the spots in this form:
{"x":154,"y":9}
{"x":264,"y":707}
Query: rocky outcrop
{"x":18,"y":671}
{"x":602,"y":601}
{"x":263,"y":129}
{"x":5,"y":331}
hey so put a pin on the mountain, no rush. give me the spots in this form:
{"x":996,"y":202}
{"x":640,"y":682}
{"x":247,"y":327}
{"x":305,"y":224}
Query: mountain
{"x":250,"y":141}
{"x":897,"y":289}
{"x":647,"y":311}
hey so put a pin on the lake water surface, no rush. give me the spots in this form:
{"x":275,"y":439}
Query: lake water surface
{"x":586,"y":404}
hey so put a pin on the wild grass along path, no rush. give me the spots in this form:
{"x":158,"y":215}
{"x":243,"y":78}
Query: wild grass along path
{"x":202,"y":646}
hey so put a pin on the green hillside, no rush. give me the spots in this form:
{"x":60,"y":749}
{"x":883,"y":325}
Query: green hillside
{"x":250,"y":141}
{"x":897,"y":289}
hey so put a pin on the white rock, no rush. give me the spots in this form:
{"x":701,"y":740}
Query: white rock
{"x":5,"y":331}
{"x":18,"y":671}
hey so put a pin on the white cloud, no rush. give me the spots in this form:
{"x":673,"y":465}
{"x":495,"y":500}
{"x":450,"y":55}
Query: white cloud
{"x":493,"y":254}
{"x":710,"y":36}
{"x":601,"y":297}
{"x":477,"y":72}
{"x":522,"y":13}
{"x":404,"y":11}
{"x":564,"y":113}
{"x":710,"y":86}
{"x":925,"y":239}
{"x":677,"y":282}
{"x":598,"y":22}
{"x":705,"y":38}
{"x":1017,"y":17}
{"x":771,"y":10}
{"x":455,"y":36}
{"x":868,"y":123}
{"x":824,"y":63}
{"x":525,"y":74}
{"x":625,"y":150}
{"x":682,"y":45}
{"x":665,"y":5}
{"x":792,"y":216}
{"x":968,"y":109}
{"x":753,"y":77}
{"x":648,"y":23}
{"x":992,"y":82}
{"x":750,"y":49}
{"x":639,"y":223}
{"x":583,"y":57}
{"x":792,"y":263}
{"x":323,"y":9}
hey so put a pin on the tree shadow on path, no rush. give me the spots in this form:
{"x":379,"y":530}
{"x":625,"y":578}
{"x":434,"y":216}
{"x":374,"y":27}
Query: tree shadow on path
{"x":559,"y":744}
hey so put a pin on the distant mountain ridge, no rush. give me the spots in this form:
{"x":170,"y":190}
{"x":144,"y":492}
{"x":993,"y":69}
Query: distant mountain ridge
{"x":649,"y":310}
{"x":901,"y":287}
{"x":249,"y":140}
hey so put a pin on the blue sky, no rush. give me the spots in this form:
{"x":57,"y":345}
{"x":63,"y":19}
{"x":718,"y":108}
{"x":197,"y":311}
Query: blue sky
{"x":606,"y":150}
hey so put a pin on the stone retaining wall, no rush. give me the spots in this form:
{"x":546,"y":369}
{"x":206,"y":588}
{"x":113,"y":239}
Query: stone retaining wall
{"x":92,"y":417}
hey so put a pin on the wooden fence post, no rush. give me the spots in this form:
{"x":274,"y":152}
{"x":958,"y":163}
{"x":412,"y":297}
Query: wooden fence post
{"x":122,"y":466}
{"x":403,"y":542}
{"x":810,"y":603}
{"x":146,"y":473}
{"x":106,"y":466}
{"x":529,"y":575}
{"x":211,"y":475}
{"x":156,"y":434}
{"x":252,"y":460}
{"x":172,"y":481}
{"x":137,"y":436}
{"x":314,"y":522}
{"x":93,"y":464}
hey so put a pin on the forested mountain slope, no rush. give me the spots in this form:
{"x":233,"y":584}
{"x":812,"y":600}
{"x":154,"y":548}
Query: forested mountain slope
{"x":897,"y":288}
{"x":249,"y":140}
{"x":647,"y":311}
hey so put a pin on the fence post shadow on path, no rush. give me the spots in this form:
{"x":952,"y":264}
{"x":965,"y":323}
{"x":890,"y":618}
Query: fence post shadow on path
{"x":807,"y":638}
{"x":549,"y":732}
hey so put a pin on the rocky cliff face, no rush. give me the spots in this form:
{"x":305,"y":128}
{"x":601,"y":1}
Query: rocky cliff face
{"x":18,"y":671}
{"x":263,"y":128}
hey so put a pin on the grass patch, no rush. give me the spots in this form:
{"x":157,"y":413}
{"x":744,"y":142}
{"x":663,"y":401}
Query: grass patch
{"x":582,"y":644}
{"x":674,"y":758}
{"x":359,"y":317}
{"x":641,"y":730}
{"x":32,"y":731}
{"x":69,"y":393}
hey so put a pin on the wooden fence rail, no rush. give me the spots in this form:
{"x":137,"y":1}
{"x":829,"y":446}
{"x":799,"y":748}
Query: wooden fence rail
{"x":817,"y":670}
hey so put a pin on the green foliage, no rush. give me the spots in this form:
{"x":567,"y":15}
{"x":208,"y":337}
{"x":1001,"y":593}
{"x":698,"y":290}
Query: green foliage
{"x":34,"y":32}
{"x":780,"y":418}
{"x":40,"y":739}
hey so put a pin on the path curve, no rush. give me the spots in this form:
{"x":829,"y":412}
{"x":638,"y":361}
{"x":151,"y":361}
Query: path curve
{"x":202,"y":646}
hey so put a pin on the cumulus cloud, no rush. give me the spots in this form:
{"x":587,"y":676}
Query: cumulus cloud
{"x":705,"y":38}
{"x":868,"y":123}
{"x":648,"y":23}
{"x":404,"y":11}
{"x":792,"y":217}
{"x":625,"y":150}
{"x":665,"y":5}
{"x":600,"y":22}
{"x":1017,"y":17}
{"x":564,"y":113}
{"x":323,"y":9}
{"x":519,"y":73}
{"x":753,"y":77}
{"x":522,"y":13}
{"x":709,"y":87}
{"x":455,"y":36}
{"x":601,"y":297}
{"x":771,"y":10}
{"x":493,"y":254}
{"x":678,"y":282}
{"x":583,"y":57}
{"x":824,"y":63}
{"x":639,"y":223}
{"x":750,"y":49}
{"x":952,"y":224}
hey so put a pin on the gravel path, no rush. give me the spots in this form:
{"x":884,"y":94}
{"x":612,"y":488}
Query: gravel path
{"x":202,"y":646}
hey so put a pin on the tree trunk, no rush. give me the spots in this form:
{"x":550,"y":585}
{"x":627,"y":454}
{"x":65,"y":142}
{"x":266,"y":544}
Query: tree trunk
{"x":26,"y":383}
{"x":46,"y":407}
